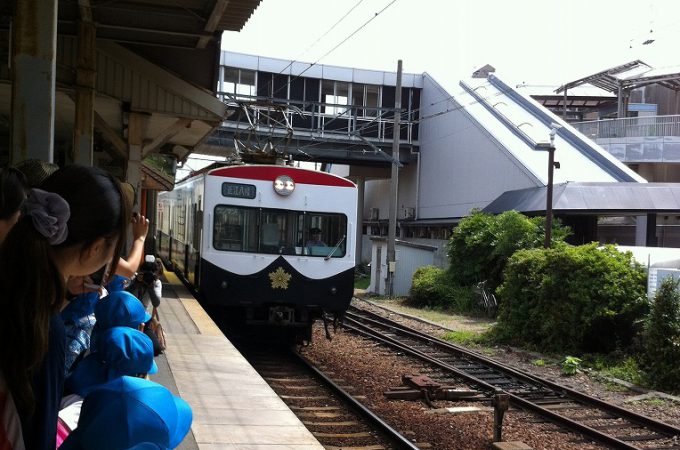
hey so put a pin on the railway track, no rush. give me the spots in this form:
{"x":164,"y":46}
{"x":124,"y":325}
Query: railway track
{"x":595,"y":419}
{"x":334,"y":416}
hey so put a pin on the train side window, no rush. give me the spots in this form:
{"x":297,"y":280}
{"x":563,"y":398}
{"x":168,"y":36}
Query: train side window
{"x":234,"y":228}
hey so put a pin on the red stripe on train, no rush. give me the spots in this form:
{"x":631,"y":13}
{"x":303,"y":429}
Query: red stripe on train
{"x":300,"y":176}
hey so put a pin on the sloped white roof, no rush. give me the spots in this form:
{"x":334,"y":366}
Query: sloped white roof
{"x":518,"y":123}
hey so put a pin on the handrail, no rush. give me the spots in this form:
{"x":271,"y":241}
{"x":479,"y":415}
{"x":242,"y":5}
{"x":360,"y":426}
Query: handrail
{"x":646,"y":126}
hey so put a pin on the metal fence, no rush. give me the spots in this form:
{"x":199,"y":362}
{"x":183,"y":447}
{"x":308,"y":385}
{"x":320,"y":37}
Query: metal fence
{"x":631,"y":127}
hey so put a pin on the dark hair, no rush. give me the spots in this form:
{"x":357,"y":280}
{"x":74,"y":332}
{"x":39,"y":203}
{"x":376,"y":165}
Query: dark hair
{"x":151,"y":271}
{"x":13,"y":187}
{"x":31,"y":286}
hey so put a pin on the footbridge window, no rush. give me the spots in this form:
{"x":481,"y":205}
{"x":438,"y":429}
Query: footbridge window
{"x":238,"y":84}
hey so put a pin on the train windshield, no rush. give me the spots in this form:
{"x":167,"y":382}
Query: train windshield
{"x":276,"y":231}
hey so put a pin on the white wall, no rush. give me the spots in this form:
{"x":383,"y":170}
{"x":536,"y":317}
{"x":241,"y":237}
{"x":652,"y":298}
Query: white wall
{"x":462,"y":165}
{"x":377,"y":193}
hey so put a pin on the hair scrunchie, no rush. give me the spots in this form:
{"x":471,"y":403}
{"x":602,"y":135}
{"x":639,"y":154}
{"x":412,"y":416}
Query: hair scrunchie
{"x":49,"y":213}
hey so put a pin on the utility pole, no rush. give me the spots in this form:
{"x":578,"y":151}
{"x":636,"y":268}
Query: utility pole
{"x":550,"y":148}
{"x":394,"y":187}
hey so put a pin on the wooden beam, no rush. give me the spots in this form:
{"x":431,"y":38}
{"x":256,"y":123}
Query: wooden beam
{"x":85,"y":10}
{"x":172,"y":83}
{"x":164,"y":136}
{"x":111,"y":135}
{"x":213,"y":21}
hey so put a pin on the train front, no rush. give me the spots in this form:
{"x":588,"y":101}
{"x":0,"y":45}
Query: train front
{"x":278,"y":245}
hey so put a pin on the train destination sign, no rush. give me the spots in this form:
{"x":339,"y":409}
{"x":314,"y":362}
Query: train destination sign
{"x":238,"y":190}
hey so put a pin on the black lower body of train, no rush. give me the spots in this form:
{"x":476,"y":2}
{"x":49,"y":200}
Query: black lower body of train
{"x":277,"y":297}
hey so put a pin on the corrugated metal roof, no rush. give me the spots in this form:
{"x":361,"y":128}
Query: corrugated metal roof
{"x":177,"y":23}
{"x":592,"y":198}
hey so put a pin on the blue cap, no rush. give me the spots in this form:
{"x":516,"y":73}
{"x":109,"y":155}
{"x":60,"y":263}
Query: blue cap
{"x":117,"y":283}
{"x":119,"y":351}
{"x":80,"y":306}
{"x":120,"y":309}
{"x":128,"y":412}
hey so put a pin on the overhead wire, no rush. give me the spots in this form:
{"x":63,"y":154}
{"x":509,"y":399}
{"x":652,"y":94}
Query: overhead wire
{"x":335,"y":47}
{"x":321,"y":37}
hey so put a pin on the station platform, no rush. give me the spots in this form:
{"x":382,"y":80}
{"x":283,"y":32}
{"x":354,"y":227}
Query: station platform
{"x":233,"y":407}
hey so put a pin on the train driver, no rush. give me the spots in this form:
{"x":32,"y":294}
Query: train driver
{"x":315,"y":238}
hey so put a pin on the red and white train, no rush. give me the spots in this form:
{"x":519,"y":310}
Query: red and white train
{"x":241,"y":236}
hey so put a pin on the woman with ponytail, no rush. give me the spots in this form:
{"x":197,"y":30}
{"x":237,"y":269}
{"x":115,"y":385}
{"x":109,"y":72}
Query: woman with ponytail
{"x":70,"y":227}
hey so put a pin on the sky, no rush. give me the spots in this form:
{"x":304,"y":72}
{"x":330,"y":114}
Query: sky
{"x":537,"y":42}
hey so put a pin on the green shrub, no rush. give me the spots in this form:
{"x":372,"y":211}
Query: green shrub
{"x":662,"y":338}
{"x":481,"y":244}
{"x":433,"y":287}
{"x":572,"y":298}
{"x":428,"y":287}
{"x":571,"y":365}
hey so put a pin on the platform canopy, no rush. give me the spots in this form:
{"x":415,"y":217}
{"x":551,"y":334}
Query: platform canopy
{"x":177,"y":23}
{"x":632,"y":75}
{"x":593,"y":199}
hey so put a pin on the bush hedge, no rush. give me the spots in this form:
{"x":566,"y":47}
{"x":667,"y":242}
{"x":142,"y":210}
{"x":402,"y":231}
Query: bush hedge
{"x":433,"y":287}
{"x":572,"y":299}
{"x":662,"y":338}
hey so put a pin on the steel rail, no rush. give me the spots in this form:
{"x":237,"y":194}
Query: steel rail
{"x":515,"y":399}
{"x":392,"y":434}
{"x":529,"y":378}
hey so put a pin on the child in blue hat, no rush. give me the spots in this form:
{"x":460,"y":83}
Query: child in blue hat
{"x":78,"y":315}
{"x":119,"y":351}
{"x":130,"y":413}
{"x":119,"y":309}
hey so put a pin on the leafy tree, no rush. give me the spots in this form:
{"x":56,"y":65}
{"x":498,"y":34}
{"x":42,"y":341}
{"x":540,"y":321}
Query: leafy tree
{"x":481,"y":244}
{"x":662,"y":338}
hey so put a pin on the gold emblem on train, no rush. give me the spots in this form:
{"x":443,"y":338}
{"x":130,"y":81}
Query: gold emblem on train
{"x":280,"y":278}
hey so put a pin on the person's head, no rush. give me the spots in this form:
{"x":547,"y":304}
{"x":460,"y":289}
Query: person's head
{"x":119,"y":309}
{"x":98,"y":221}
{"x":69,"y":227}
{"x":129,"y":194}
{"x":13,"y":187}
{"x":315,"y":233}
{"x":128,"y":412}
{"x":150,"y":270}
{"x":119,"y":351}
{"x":36,"y":171}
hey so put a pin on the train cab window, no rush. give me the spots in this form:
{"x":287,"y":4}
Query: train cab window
{"x":284,"y":232}
{"x":326,"y":235}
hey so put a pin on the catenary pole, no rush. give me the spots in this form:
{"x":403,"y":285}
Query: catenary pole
{"x":394,"y":187}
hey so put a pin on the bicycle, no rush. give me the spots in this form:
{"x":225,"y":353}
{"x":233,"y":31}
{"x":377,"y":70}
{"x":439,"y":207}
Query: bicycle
{"x":487,"y":300}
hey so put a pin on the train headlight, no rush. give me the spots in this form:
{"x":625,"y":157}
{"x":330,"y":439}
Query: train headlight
{"x":224,"y":285}
{"x":334,"y":290}
{"x":284,"y":185}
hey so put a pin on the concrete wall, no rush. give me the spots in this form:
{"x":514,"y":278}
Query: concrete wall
{"x":439,"y":257}
{"x":377,"y":193}
{"x":409,"y":259}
